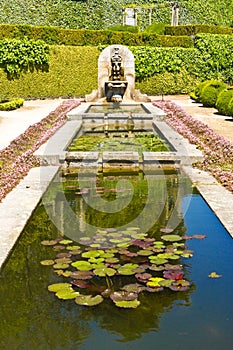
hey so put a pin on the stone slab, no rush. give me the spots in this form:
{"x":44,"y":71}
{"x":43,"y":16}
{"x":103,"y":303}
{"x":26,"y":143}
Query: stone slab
{"x":17,"y":207}
{"x":219,"y":199}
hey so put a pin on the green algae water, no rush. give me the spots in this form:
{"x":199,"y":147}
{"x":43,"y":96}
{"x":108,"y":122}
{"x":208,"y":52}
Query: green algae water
{"x":75,"y":208}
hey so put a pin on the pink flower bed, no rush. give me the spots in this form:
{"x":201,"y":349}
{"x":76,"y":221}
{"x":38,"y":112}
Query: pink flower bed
{"x":218,"y":151}
{"x":17,"y":159}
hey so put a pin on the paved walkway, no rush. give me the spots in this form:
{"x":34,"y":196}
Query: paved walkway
{"x":219,"y":123}
{"x":14,"y":123}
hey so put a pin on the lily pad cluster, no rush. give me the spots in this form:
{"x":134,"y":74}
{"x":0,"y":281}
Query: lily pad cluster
{"x":118,"y":265}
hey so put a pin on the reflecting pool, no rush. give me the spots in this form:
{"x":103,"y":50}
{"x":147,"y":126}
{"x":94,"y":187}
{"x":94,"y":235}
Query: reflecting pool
{"x":75,"y":208}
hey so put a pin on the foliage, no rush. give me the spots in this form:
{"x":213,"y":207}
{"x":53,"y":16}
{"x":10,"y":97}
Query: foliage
{"x":17,"y":159}
{"x":23,"y":55}
{"x":224,"y":103}
{"x":80,"y":37}
{"x":11,"y":104}
{"x":210,"y":92}
{"x":156,"y":28}
{"x":101,"y":14}
{"x":168,"y":83}
{"x":218,"y":151}
{"x":153,"y":60}
{"x":121,"y":254}
{"x":124,"y":28}
{"x":193,"y":29}
{"x":74,"y":69}
{"x":139,"y":143}
{"x":215,"y":59}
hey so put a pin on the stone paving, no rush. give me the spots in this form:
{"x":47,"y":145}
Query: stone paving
{"x":17,"y":207}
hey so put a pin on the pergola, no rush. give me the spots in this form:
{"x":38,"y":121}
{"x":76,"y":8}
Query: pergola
{"x":131,"y":11}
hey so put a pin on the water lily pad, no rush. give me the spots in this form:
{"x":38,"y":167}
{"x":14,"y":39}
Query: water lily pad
{"x":166,"y":283}
{"x":105,"y":271}
{"x":123,"y":295}
{"x":173,"y":274}
{"x":89,"y":300}
{"x":143,"y":277}
{"x":156,"y":267}
{"x":66,"y":294}
{"x":73,"y":247}
{"x":214,"y":275}
{"x":145,"y":252}
{"x":171,"y":238}
{"x":173,"y":267}
{"x":154,"y":281}
{"x":63,"y":255}
{"x":156,"y":260}
{"x":63,"y":261}
{"x":96,"y":260}
{"x":47,"y":262}
{"x":166,"y":230}
{"x":66,"y":241}
{"x":82,"y":275}
{"x":82,"y":265}
{"x":47,"y":242}
{"x":112,"y":260}
{"x":60,"y":266}
{"x":179,"y":286}
{"x":58,"y":286}
{"x":132,"y":304}
{"x":133,"y":287}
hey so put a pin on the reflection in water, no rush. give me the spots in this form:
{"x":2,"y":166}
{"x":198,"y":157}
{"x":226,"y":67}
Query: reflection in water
{"x":33,"y":318}
{"x":55,"y":324}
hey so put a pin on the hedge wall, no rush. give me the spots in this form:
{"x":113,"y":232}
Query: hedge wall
{"x":73,"y":69}
{"x":195,"y":29}
{"x":72,"y":72}
{"x":83,"y":37}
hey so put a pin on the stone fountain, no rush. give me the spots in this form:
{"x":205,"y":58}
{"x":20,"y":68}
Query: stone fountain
{"x":116,"y":77}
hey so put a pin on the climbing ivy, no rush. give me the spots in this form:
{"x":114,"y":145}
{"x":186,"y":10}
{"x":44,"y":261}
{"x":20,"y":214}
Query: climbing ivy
{"x":18,"y":55}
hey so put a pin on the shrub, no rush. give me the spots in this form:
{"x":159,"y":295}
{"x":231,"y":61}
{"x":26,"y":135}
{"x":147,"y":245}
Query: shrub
{"x":11,"y":104}
{"x":168,"y":83}
{"x":156,"y":28}
{"x":124,"y":28}
{"x":224,"y":103}
{"x":193,"y":29}
{"x":195,"y":95}
{"x":210,"y":91}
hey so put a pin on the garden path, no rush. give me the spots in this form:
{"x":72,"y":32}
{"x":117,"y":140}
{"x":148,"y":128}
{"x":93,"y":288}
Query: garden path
{"x":13,"y":123}
{"x":219,"y":123}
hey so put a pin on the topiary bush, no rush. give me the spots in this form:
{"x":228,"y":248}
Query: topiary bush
{"x":210,"y":91}
{"x":195,"y":95}
{"x":11,"y":104}
{"x":224,"y":103}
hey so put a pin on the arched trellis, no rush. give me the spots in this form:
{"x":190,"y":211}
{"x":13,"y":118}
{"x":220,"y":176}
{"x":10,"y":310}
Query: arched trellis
{"x":132,"y":11}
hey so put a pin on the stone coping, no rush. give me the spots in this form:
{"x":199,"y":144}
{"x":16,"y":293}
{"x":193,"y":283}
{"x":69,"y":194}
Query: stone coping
{"x":17,"y":207}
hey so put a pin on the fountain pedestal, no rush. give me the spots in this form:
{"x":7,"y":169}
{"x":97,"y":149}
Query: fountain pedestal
{"x":115,"y":90}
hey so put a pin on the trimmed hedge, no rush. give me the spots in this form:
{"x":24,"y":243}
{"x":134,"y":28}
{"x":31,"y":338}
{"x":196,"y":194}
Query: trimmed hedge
{"x":168,"y":83}
{"x":72,"y":72}
{"x":224,"y":102}
{"x":210,"y":91}
{"x":193,"y":29}
{"x":83,"y":37}
{"x":11,"y":104}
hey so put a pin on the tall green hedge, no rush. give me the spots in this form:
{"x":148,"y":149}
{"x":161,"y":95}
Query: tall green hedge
{"x":72,"y":72}
{"x":95,"y":14}
{"x":193,"y":29}
{"x":82,"y":37}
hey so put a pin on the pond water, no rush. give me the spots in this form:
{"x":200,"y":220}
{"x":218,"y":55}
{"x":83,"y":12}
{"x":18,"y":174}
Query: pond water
{"x":200,"y":317}
{"x":117,"y":108}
